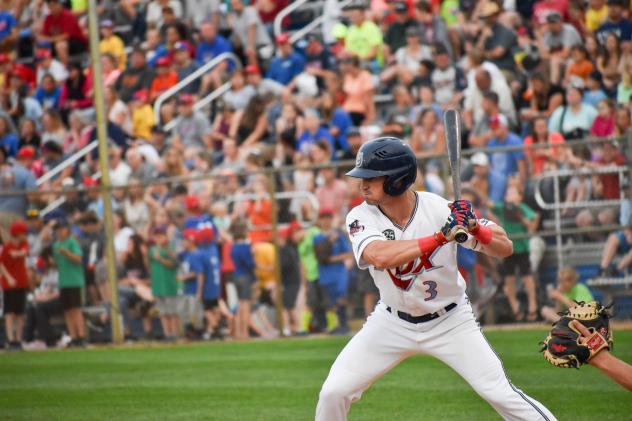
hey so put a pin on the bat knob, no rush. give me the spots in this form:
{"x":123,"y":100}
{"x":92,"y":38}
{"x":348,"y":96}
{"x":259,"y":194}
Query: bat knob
{"x":460,"y":237}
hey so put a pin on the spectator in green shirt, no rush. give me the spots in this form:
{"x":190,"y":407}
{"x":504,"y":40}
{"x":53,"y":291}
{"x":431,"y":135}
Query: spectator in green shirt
{"x":163,"y":269}
{"x":305,"y":241}
{"x":564,"y":295}
{"x":517,"y":218}
{"x":68,"y":259}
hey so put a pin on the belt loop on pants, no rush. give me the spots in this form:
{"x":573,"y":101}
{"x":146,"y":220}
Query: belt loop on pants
{"x":423,"y":318}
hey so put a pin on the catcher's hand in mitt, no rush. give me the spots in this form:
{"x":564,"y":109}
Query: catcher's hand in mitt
{"x":563,"y":347}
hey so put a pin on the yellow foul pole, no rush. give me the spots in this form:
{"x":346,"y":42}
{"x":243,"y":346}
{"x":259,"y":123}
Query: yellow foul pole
{"x":99,"y":106}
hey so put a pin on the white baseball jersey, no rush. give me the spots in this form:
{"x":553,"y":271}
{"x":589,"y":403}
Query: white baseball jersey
{"x":423,"y":285}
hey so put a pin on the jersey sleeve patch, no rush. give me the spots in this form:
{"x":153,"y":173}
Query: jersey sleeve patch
{"x":355,"y":228}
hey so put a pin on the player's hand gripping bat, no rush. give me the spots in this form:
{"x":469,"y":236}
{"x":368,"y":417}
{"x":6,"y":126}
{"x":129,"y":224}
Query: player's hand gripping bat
{"x":452,"y":126}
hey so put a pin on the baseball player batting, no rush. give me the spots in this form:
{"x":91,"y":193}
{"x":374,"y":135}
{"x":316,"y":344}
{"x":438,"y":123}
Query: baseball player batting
{"x":406,"y":240}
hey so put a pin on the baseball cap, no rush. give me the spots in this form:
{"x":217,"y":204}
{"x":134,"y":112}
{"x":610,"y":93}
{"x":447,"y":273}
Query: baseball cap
{"x":18,"y":227}
{"x":490,"y":9}
{"x":480,"y":159}
{"x":4,"y":58}
{"x":283,"y":38}
{"x":181,"y":46}
{"x":163,"y":61}
{"x":553,"y":17}
{"x":325,"y":212}
{"x":140,"y":95}
{"x":160,"y":229}
{"x":107,"y":23}
{"x":616,"y":3}
{"x":413,"y":31}
{"x":89,"y":181}
{"x":43,"y":53}
{"x":51,"y":146}
{"x":355,"y":5}
{"x":401,"y":7}
{"x":186,"y":98}
{"x":191,"y":202}
{"x":61,"y":223}
{"x":190,"y":234}
{"x":252,"y":69}
{"x":26,"y":152}
{"x":205,"y":235}
{"x":497,"y":121}
{"x":67,"y":182}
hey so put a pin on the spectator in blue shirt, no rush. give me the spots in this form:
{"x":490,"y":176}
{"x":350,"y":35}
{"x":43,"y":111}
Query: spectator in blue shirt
{"x":337,"y":120}
{"x":616,"y":24}
{"x":48,"y":94}
{"x":483,"y":175}
{"x":16,"y":177}
{"x":8,"y":28}
{"x":332,"y":249}
{"x":313,"y":133}
{"x":207,"y":248}
{"x":506,"y":163}
{"x":288,"y":64}
{"x":192,"y":270}
{"x":210,"y":46}
{"x":8,"y":140}
{"x":244,"y":276}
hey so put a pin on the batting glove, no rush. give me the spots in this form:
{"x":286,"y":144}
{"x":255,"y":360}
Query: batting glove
{"x":464,"y":209}
{"x":452,"y":225}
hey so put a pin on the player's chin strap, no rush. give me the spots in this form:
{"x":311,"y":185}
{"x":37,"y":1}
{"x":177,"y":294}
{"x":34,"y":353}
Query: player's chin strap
{"x":482,"y":233}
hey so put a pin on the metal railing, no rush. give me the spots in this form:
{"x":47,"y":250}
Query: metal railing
{"x":558,"y":204}
{"x":278,"y":20}
{"x":318,"y":21}
{"x":62,"y":199}
{"x":68,"y":162}
{"x":191,"y":78}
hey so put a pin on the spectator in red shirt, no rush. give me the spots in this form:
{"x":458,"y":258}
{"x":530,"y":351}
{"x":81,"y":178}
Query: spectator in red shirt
{"x":62,"y":29}
{"x":14,"y":281}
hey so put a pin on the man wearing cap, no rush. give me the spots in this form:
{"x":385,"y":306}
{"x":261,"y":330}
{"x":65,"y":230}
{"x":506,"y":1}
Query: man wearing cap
{"x":495,"y":40}
{"x":332,"y":250}
{"x":480,"y":133}
{"x":432,"y":28}
{"x":165,"y":78}
{"x":488,"y":184}
{"x":395,"y":36}
{"x":138,"y":75}
{"x":193,"y":127}
{"x":211,"y":45}
{"x":46,"y":64}
{"x":184,"y":65}
{"x":557,"y":41}
{"x":447,"y":79}
{"x":616,"y":24}
{"x":364,"y":37}
{"x":263,"y":87}
{"x":288,"y":64}
{"x":506,"y":163}
{"x":249,"y":34}
{"x":61,"y":28}
{"x":111,"y":43}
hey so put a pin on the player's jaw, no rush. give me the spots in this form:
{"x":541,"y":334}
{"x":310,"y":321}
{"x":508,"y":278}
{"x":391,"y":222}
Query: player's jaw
{"x":373,"y":190}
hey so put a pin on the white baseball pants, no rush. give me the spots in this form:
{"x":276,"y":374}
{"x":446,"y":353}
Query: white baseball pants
{"x":454,"y":338}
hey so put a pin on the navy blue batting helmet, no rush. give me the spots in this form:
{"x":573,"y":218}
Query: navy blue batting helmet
{"x":390,"y":157}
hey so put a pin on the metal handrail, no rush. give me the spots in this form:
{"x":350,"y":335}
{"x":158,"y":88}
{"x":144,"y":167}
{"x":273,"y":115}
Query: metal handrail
{"x":62,"y":199}
{"x":278,"y":20}
{"x":190,"y":78}
{"x":68,"y":162}
{"x":319,"y":20}
{"x":201,"y":104}
{"x":581,"y":171}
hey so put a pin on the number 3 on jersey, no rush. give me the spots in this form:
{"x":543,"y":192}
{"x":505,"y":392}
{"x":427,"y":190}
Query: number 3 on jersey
{"x":431,"y":291}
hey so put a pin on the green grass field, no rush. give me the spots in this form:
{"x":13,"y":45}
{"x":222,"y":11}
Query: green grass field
{"x":280,"y":380}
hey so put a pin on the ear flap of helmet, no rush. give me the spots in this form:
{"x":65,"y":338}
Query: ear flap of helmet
{"x":397,"y":184}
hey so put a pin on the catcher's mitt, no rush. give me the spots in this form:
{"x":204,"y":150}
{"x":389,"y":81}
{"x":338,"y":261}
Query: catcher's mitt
{"x":562,"y":347}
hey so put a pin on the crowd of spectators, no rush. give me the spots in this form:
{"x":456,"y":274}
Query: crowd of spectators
{"x":193,"y":218}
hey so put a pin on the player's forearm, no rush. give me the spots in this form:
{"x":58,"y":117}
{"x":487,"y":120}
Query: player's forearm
{"x":500,"y":245}
{"x":391,"y":254}
{"x":617,"y":370}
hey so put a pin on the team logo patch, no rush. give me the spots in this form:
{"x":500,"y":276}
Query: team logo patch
{"x":359,"y":159}
{"x":559,"y":348}
{"x":355,"y":227}
{"x":389,"y":234}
